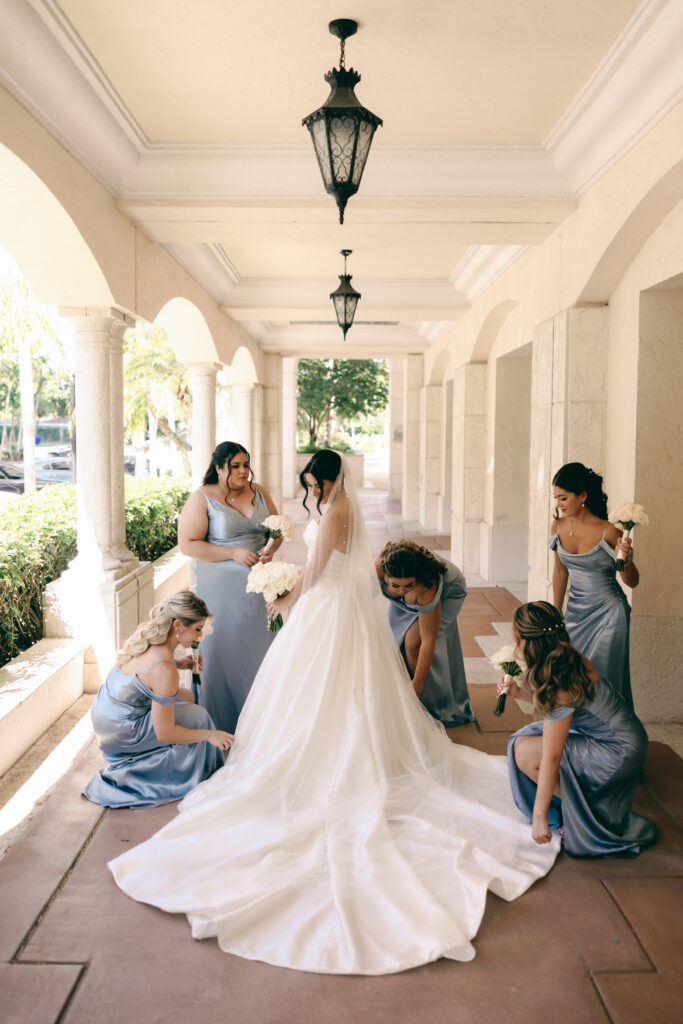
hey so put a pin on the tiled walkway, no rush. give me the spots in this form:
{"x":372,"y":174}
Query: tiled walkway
{"x":594,"y":941}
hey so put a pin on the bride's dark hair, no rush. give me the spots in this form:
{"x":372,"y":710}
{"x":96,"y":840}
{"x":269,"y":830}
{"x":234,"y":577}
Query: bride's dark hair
{"x":553,"y":665}
{"x":404,"y":559}
{"x":222,"y":456}
{"x":577,"y":478}
{"x":323,"y":465}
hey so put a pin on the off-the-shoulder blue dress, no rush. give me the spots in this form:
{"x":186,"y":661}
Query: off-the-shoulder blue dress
{"x":234,"y":651}
{"x":602,"y":761}
{"x":445,"y":689}
{"x":139,"y":770}
{"x":597,"y":614}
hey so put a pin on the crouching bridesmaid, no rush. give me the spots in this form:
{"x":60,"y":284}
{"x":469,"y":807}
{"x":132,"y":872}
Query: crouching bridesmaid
{"x":578,"y":767}
{"x":157,"y":743}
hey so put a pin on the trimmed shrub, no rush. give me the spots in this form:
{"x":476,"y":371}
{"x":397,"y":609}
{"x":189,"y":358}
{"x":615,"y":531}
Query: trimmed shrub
{"x":38,"y":540}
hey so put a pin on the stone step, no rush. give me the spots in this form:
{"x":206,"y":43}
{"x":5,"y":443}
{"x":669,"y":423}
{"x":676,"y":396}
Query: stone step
{"x":35,"y":689}
{"x":27,"y":784}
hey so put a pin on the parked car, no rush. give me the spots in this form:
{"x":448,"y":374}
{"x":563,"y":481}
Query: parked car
{"x":11,"y":478}
{"x":53,"y":470}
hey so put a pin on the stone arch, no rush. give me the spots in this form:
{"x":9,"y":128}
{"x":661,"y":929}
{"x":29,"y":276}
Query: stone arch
{"x":439,"y":367}
{"x":242,"y":369}
{"x":45,"y":242}
{"x":187,"y":331}
{"x":627,"y":241}
{"x":489,"y":330}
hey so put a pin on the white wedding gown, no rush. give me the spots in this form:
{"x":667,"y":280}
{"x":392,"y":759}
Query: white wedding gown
{"x":346,"y":834}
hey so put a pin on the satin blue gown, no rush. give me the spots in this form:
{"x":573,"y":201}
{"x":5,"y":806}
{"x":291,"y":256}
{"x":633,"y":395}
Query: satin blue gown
{"x":597,"y":614}
{"x":602,"y":761}
{"x":234,"y":651}
{"x":139,"y":770}
{"x":444,"y":693}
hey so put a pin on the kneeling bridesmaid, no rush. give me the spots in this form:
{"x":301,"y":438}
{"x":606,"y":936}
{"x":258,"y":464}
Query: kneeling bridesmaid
{"x":578,"y":768}
{"x":157,"y":743}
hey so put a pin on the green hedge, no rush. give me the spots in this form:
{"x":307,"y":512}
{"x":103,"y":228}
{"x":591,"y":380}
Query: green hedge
{"x":38,"y":540}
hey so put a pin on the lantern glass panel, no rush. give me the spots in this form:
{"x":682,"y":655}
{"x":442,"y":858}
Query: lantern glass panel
{"x":342,"y":142}
{"x":319,"y":136}
{"x":365,"y":132}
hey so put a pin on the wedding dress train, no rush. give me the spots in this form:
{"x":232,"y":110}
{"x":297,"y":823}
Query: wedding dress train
{"x":346,"y":834}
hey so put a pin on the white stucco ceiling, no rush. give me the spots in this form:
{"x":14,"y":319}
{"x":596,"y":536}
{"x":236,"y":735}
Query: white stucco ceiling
{"x":442,"y":72}
{"x":494,"y":122}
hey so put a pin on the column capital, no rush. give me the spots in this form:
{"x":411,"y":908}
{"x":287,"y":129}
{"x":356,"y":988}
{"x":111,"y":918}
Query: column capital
{"x":205,"y":369}
{"x":109,"y":321}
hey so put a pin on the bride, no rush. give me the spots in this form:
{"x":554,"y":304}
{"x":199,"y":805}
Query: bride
{"x":346,"y":834}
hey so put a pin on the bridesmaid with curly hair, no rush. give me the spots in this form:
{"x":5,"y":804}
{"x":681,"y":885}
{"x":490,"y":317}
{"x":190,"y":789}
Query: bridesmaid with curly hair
{"x":578,"y":766}
{"x":425,"y":596}
{"x":586,"y":548}
{"x":157,"y":743}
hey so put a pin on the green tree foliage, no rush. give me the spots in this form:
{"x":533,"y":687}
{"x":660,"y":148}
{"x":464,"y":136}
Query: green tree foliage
{"x":31,"y":367}
{"x":156,"y":386}
{"x":338,"y":391}
{"x":38,"y":540}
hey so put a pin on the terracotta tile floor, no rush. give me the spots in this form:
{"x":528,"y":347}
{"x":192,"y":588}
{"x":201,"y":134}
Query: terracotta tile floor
{"x":594,"y":941}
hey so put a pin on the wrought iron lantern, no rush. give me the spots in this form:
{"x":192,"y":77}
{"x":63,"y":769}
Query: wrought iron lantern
{"x":342,"y":129}
{"x":345,"y":298}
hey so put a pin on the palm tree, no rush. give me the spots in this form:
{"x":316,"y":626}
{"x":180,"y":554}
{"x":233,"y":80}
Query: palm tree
{"x":23,"y":326}
{"x":156,"y":386}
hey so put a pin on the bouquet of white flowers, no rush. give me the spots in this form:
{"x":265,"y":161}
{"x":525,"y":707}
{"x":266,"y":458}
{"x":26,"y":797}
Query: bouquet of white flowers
{"x":627,"y":515}
{"x":278,"y":526}
{"x":510,"y":664}
{"x":272,"y":579}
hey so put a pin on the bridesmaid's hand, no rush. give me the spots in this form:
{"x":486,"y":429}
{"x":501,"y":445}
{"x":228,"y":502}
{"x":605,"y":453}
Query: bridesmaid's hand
{"x":222,"y":740}
{"x":511,"y":688}
{"x":188,"y":663}
{"x":624,"y":547}
{"x":266,"y":554}
{"x":540,"y":833}
{"x":245,"y":557}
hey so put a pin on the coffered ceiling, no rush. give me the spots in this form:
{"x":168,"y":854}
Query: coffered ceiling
{"x":490,"y":113}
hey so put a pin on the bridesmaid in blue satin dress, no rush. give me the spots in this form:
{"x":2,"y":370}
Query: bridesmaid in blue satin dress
{"x":221,"y":529}
{"x":585,"y":545}
{"x":425,"y":596}
{"x":156,"y":742}
{"x":575,"y":771}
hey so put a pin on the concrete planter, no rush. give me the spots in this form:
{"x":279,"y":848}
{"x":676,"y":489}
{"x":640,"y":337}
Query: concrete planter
{"x":357,"y":463}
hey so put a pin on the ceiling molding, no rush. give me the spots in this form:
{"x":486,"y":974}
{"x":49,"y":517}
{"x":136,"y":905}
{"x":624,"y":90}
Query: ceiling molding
{"x":636,"y":84}
{"x":481,"y":265}
{"x":48,"y":67}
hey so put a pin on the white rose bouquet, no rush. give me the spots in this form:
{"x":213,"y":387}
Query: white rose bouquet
{"x":278,"y":526}
{"x":627,"y":515}
{"x":272,"y":579}
{"x":507,"y":661}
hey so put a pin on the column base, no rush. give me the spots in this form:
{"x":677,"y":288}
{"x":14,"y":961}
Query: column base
{"x":102,"y":611}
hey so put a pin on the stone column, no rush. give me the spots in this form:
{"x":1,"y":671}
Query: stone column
{"x":445,"y":495}
{"x":568,"y":391}
{"x":272,"y":427}
{"x":397,"y":379}
{"x":243,"y":414}
{"x":505,"y":530}
{"x":430,"y":455}
{"x":657,"y":620}
{"x":410,"y":489}
{"x":118,"y":491}
{"x":469,"y":464}
{"x":290,"y":483}
{"x":105,"y":591}
{"x":203,"y":383}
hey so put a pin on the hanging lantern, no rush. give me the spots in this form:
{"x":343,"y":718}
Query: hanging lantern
{"x":342,"y":129}
{"x":345,"y":298}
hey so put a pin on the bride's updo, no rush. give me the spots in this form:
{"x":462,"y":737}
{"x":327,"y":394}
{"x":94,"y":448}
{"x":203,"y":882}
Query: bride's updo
{"x":323,"y":465}
{"x":184,"y":605}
